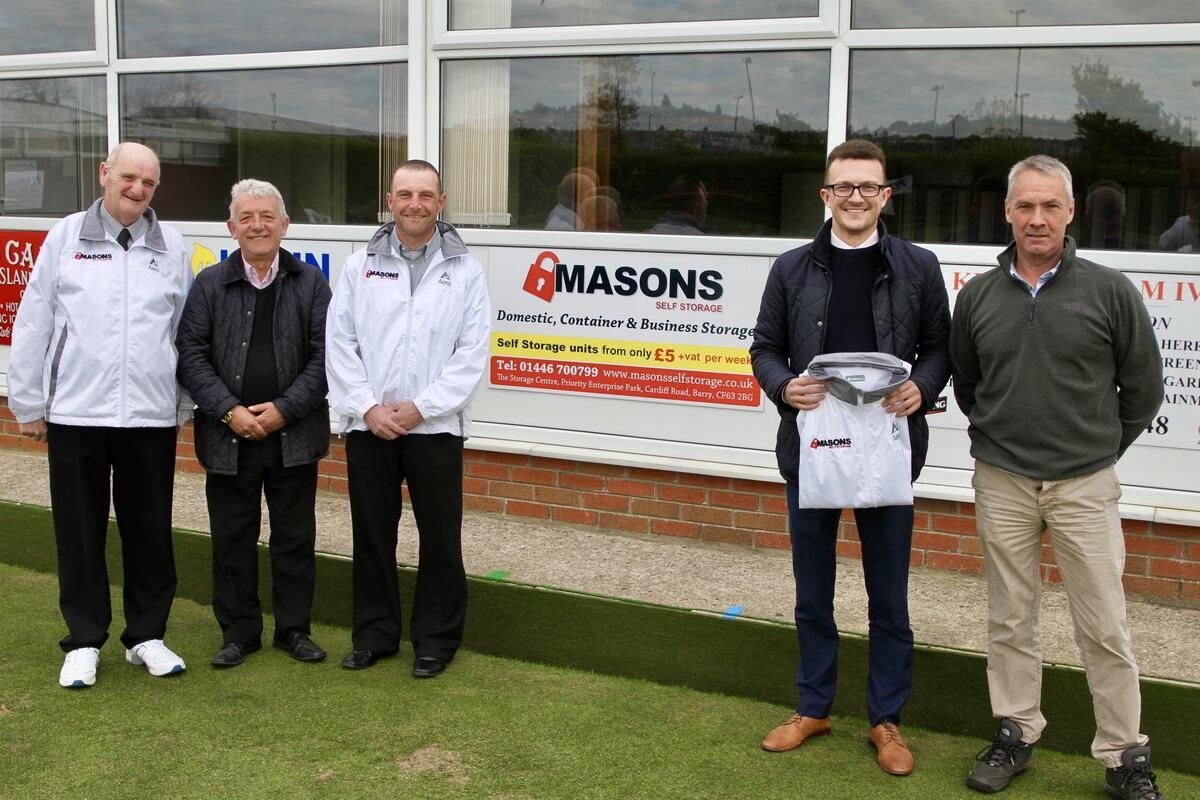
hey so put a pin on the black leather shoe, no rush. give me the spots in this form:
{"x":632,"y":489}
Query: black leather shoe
{"x":361,"y":659}
{"x":233,"y":653}
{"x":301,"y":647}
{"x":428,"y":667}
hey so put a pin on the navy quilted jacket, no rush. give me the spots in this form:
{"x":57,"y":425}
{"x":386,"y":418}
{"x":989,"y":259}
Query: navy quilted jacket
{"x":216,"y":324}
{"x":912,"y":322}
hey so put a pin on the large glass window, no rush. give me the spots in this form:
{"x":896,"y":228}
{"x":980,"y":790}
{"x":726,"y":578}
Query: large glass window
{"x":149,"y":28}
{"x":1124,"y":119}
{"x":48,"y":26}
{"x":328,"y":137}
{"x":476,"y":14}
{"x":52,"y":139}
{"x":993,"y":13}
{"x":718,"y":143}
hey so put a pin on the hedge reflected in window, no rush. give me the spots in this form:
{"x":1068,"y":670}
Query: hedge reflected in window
{"x":1124,"y":119}
{"x":53,"y":136}
{"x":328,"y":137}
{"x":722,"y":143}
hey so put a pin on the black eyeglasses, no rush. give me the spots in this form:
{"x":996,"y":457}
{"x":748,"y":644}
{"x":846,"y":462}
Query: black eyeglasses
{"x":847,"y":189}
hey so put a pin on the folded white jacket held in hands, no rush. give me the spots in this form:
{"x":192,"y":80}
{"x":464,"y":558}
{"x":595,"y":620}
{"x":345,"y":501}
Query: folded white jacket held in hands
{"x":853,"y":454}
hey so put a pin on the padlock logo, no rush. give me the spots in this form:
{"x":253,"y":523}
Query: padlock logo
{"x":539,"y":282}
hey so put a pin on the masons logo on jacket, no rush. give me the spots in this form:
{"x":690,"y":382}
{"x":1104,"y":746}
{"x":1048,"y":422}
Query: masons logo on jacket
{"x":81,"y":256}
{"x":378,"y":273}
{"x":845,"y":441}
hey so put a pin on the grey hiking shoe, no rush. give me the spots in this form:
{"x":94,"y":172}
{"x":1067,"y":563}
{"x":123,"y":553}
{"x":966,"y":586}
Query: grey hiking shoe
{"x":1001,"y":761}
{"x":1133,"y":780}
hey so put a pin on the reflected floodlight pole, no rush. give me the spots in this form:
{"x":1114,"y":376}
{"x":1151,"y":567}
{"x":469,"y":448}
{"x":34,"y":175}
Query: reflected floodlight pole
{"x":274,"y":115}
{"x":650,"y":105}
{"x":1017,"y":88}
{"x":750,"y":86}
{"x":650,"y":111}
{"x":937,"y":93}
{"x":737,"y":107}
{"x":1021,"y":128}
{"x":1196,"y":85}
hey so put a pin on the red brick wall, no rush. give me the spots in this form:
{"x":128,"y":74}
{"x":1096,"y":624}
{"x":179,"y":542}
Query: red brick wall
{"x":1162,"y":561}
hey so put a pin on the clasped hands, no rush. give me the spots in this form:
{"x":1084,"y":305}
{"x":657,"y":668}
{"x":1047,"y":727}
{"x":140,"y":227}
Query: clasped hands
{"x":392,"y":420}
{"x":256,"y":422}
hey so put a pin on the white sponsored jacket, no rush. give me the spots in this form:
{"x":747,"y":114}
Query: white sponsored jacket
{"x":853,"y":454}
{"x":385,"y":343}
{"x":94,"y":339}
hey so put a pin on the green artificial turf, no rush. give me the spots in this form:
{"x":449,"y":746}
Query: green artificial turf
{"x":672,"y":646}
{"x":488,"y":728}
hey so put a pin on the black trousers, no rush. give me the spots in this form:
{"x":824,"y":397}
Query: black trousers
{"x":235,"y":511}
{"x":137,"y":465}
{"x":432,"y":466}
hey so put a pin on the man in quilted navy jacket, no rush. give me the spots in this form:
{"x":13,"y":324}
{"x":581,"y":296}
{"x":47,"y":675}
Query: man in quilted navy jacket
{"x":252,"y":356}
{"x":852,"y":289}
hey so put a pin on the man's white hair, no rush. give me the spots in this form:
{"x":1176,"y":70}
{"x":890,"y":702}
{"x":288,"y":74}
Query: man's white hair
{"x":1047,"y":165}
{"x":252,"y":187}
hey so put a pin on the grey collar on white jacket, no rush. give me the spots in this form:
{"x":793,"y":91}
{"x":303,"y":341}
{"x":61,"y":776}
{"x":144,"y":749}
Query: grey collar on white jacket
{"x":859,"y":378}
{"x":452,"y":243}
{"x":92,"y":229}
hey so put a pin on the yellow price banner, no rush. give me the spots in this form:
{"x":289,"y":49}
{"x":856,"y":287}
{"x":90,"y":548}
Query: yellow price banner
{"x":729,"y":360}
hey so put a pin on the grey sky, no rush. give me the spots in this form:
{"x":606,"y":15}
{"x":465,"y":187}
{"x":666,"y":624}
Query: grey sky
{"x":344,"y":97}
{"x":998,"y":13}
{"x":794,"y":83}
{"x":47,"y":26}
{"x":892,"y":85}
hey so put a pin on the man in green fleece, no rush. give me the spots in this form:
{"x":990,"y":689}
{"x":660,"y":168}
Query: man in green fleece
{"x":1057,"y":369}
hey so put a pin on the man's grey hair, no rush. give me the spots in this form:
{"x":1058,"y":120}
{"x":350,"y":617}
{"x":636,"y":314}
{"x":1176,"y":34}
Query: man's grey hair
{"x":1047,"y":165}
{"x":252,"y":187}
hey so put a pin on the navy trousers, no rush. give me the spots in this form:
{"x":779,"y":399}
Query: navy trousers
{"x":886,"y":536}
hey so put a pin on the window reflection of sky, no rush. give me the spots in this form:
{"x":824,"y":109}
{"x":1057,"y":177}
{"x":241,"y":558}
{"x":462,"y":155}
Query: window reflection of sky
{"x":174,"y":28}
{"x":792,"y":83}
{"x":987,"y":13}
{"x":337,"y":97}
{"x":537,"y":13}
{"x":49,"y":26}
{"x":891,"y":86}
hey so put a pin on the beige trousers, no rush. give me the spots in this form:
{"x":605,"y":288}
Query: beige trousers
{"x":1085,"y":531}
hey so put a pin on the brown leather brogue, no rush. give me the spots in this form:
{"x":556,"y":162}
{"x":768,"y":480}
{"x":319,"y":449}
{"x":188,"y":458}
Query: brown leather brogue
{"x":894,"y":756}
{"x":792,"y":733}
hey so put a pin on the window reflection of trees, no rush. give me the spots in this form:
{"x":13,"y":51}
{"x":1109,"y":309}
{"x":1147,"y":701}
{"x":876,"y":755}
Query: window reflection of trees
{"x":53,"y":136}
{"x":212,"y":129}
{"x":1133,"y":156}
{"x":636,"y":137}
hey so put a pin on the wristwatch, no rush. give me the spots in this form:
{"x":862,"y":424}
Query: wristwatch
{"x":225,"y":420}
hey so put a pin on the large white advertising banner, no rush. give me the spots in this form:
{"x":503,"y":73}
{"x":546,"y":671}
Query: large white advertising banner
{"x":640,"y":326}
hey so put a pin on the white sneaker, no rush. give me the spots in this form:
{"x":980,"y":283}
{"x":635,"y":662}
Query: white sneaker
{"x":156,"y":657}
{"x":79,"y":668}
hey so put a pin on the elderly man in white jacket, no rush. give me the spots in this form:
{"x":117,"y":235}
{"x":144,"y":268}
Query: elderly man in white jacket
{"x":93,"y":373}
{"x":406,"y":343}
